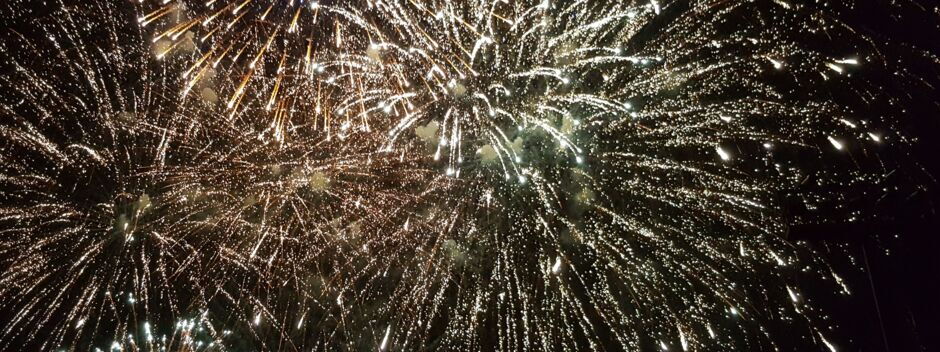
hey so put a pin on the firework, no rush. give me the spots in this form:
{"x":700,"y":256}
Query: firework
{"x":161,"y":209}
{"x":512,"y":175}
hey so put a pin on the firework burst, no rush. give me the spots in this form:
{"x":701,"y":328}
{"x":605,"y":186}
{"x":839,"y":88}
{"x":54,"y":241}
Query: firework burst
{"x":511,"y":175}
{"x":165,"y":210}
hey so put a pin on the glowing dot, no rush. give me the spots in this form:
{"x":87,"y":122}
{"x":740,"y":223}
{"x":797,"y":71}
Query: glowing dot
{"x":836,"y":143}
{"x":723,"y":154}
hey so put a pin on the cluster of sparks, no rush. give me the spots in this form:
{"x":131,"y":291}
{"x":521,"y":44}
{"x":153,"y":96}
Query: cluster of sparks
{"x":407,"y":175}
